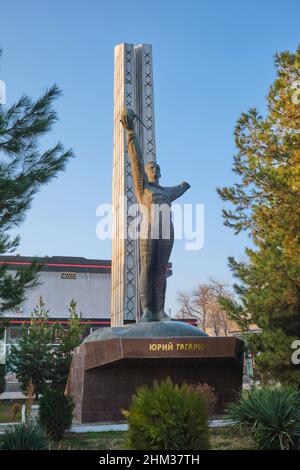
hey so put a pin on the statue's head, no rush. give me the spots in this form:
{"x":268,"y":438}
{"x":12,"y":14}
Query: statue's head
{"x":152,"y":170}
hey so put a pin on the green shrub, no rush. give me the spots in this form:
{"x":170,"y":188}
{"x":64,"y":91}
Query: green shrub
{"x":56,"y":412}
{"x":2,"y":378}
{"x":209,"y":394}
{"x":167,"y":417}
{"x":272,"y":414}
{"x":25,"y":436}
{"x":16,"y":409}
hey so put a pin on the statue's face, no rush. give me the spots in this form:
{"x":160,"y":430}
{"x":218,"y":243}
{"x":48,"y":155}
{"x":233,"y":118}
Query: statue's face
{"x":153,"y":172}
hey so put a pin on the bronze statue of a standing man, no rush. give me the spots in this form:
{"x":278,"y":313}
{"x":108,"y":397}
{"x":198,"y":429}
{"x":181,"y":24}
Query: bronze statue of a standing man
{"x":154,"y":250}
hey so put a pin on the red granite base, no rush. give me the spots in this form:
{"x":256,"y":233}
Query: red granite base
{"x":105,"y":374}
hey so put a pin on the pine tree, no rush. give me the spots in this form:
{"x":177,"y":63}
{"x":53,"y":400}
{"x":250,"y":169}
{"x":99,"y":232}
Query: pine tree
{"x":32,"y":357}
{"x":267,"y":206}
{"x":44,"y":351}
{"x":23,"y":170}
{"x":68,"y":338}
{"x":3,"y":325}
{"x":2,"y":378}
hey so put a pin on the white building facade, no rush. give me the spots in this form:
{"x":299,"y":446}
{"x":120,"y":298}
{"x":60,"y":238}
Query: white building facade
{"x":61,"y":279}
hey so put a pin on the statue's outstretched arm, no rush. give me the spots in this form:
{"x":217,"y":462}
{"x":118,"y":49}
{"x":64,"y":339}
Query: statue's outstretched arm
{"x":177,"y":191}
{"x":135,"y":152}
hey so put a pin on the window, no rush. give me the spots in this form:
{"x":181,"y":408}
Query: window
{"x":68,"y":275}
{"x":13,"y":334}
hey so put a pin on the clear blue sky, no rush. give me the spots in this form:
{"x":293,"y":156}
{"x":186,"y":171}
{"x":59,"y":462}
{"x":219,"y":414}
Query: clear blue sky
{"x":212,"y":60}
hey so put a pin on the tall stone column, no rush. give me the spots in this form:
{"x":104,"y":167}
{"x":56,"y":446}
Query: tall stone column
{"x":133,"y":87}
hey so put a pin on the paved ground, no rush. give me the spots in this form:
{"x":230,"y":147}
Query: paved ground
{"x":12,"y":396}
{"x":83,"y":428}
{"x":79,"y":428}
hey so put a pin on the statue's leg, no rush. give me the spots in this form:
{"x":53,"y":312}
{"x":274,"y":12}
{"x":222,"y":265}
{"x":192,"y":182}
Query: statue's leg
{"x":148,"y":249}
{"x":165,"y":248}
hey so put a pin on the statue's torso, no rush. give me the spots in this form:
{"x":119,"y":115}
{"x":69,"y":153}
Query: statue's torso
{"x":155,"y":194}
{"x":156,"y":208}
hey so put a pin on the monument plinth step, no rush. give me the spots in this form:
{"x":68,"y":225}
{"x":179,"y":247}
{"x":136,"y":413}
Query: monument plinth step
{"x":159,"y":329}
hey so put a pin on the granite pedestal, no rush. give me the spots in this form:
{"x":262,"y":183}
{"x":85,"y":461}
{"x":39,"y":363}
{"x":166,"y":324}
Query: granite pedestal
{"x":112,"y":363}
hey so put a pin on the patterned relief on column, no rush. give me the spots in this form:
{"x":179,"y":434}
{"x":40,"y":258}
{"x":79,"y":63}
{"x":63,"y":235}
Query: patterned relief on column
{"x":130,"y":309}
{"x":145,"y":110}
{"x":133,"y":88}
{"x":129,"y":285}
{"x":148,"y":105}
{"x":145,"y":100}
{"x":124,"y":250}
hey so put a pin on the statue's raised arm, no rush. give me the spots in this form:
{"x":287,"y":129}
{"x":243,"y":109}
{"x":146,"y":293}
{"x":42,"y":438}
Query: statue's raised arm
{"x":135,"y":152}
{"x":176,"y":191}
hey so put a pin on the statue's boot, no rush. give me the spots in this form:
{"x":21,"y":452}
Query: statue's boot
{"x":162,"y":316}
{"x":147,"y":316}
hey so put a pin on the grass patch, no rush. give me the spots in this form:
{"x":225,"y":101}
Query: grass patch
{"x":226,"y":439}
{"x":110,"y":440}
{"x":220,"y":439}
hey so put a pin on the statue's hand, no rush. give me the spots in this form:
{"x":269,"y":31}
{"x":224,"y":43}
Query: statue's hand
{"x":186,"y":185}
{"x":127,"y":118}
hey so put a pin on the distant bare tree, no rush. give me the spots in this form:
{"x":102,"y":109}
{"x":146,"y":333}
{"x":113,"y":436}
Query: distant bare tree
{"x":203,"y":305}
